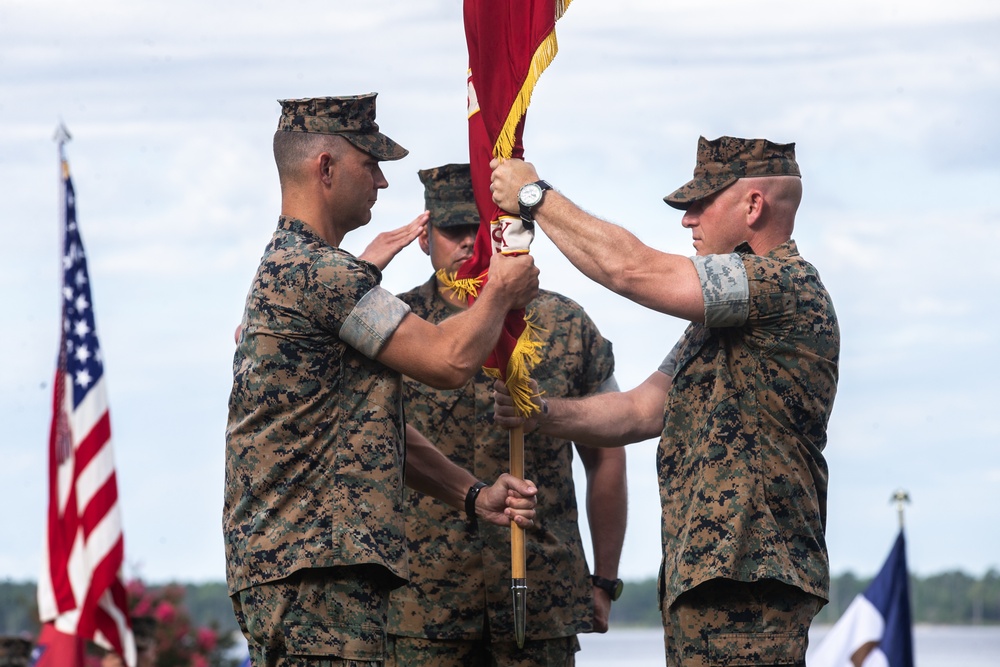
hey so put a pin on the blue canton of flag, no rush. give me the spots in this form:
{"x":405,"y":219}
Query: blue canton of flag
{"x":83,"y":360}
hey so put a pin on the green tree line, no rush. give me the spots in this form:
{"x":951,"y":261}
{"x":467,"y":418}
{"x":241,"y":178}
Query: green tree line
{"x":946,"y":598}
{"x":208,"y":604}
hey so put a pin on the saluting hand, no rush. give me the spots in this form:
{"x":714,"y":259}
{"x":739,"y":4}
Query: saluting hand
{"x":387,"y":245}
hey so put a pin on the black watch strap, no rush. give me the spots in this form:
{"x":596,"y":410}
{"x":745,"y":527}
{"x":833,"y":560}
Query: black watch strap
{"x":612,"y":586}
{"x":470,"y":501}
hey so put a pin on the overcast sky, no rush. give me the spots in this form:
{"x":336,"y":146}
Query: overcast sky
{"x":172,"y":105}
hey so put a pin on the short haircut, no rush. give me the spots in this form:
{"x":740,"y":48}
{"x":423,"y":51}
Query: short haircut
{"x":293,"y":149}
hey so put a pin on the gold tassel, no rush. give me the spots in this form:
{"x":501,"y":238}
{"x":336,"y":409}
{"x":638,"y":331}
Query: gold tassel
{"x":561,"y":7}
{"x":543,"y":56}
{"x":461,"y":288}
{"x":526,"y":355}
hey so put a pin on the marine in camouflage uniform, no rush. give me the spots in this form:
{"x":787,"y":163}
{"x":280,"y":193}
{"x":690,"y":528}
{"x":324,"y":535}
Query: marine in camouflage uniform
{"x":457,"y":609}
{"x":315,"y":440}
{"x":749,"y":389}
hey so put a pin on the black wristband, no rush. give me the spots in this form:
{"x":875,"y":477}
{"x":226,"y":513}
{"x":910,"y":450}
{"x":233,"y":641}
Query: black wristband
{"x":470,"y":501}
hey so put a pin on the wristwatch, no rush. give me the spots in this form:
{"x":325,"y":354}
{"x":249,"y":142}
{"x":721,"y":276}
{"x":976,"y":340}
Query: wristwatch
{"x":612,"y":586}
{"x":529,"y":197}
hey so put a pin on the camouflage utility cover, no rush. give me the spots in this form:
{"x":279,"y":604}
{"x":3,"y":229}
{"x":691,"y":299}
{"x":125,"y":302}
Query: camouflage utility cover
{"x":725,"y":160}
{"x":743,"y":480}
{"x":352,"y":117}
{"x":314,"y":444}
{"x":448,"y":195}
{"x":457,"y":570}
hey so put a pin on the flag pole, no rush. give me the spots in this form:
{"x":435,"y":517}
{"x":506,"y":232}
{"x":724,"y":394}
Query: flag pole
{"x":62,"y":135}
{"x":518,"y":582}
{"x":901,"y":498}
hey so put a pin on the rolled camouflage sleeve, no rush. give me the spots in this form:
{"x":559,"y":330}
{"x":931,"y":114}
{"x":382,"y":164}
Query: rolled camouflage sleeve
{"x":373,"y":321}
{"x":669,"y":364}
{"x":610,"y":385}
{"x":725,"y":288}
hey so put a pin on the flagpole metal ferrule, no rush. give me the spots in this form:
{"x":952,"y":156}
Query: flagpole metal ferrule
{"x":519,"y":593}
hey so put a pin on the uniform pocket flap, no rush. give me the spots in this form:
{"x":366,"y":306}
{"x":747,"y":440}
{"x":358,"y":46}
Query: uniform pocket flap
{"x":364,"y":642}
{"x":733,"y":649}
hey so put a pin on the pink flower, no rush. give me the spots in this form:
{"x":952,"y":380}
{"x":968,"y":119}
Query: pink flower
{"x":198,"y":661}
{"x":142,"y":607}
{"x":165,"y":612}
{"x":207,"y":639}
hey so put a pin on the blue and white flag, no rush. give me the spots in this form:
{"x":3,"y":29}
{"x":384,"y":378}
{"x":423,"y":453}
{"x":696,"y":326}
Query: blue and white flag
{"x":875,"y":630}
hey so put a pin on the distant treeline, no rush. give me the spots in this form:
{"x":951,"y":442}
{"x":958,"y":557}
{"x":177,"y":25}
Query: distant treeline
{"x":948,"y":598}
{"x":208,"y":605}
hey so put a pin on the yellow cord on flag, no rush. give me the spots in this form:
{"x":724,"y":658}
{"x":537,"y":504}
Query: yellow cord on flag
{"x":541,"y":59}
{"x":461,"y":288}
{"x":526,"y":354}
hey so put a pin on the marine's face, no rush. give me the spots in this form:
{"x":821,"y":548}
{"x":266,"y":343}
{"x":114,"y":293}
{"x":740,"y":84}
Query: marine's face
{"x":356,"y":180}
{"x":449,"y":247}
{"x":715,"y":222}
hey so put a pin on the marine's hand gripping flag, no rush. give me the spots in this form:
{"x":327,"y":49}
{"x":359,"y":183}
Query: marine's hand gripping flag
{"x":510,"y":44}
{"x":80,"y":592}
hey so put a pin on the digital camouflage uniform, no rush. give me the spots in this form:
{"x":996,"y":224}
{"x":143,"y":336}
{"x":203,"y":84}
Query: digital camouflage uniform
{"x":458,"y":572}
{"x":743,"y":480}
{"x":315,"y":439}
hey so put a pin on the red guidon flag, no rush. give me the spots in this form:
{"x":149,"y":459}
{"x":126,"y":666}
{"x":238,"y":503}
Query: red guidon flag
{"x":510,"y":45}
{"x":81,"y":596}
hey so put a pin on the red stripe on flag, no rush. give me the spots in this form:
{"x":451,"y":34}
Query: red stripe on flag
{"x":91,"y":444}
{"x":99,"y":506}
{"x":104,"y":574}
{"x":61,"y":529}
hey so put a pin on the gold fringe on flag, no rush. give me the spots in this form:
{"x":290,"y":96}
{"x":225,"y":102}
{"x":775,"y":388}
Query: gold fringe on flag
{"x":542,"y":58}
{"x":461,"y":288}
{"x":526,"y":355}
{"x":561,"y":7}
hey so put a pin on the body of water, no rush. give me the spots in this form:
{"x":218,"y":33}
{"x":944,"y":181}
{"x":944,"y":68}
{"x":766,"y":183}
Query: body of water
{"x":934,"y":646}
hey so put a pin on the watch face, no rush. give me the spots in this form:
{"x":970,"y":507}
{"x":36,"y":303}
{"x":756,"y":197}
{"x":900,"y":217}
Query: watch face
{"x":530,"y":195}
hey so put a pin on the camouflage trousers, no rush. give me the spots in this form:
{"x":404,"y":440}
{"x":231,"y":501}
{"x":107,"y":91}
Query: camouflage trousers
{"x":317,"y":617}
{"x":420,"y":652}
{"x":723,"y":623}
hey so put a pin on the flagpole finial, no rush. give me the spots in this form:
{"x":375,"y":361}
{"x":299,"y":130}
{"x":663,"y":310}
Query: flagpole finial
{"x":900,"y":497}
{"x":62,"y":134}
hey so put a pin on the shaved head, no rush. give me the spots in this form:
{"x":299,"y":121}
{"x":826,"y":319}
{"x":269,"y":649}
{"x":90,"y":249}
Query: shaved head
{"x":292,"y":150}
{"x":783,"y":195}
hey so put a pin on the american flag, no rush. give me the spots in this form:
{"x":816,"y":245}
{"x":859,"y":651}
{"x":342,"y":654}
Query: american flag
{"x":80,"y":591}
